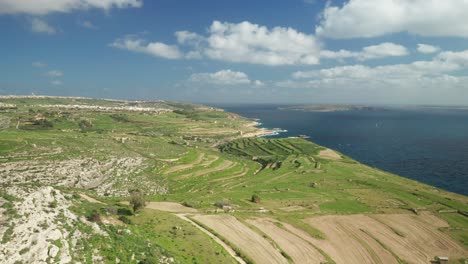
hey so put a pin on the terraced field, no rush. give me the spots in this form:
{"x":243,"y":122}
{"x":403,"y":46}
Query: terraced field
{"x":211,"y":192}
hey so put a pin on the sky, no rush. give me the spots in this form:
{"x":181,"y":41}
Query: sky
{"x":243,"y":51}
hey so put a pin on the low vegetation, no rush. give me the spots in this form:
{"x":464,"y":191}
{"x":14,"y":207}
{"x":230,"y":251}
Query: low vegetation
{"x":113,"y":172}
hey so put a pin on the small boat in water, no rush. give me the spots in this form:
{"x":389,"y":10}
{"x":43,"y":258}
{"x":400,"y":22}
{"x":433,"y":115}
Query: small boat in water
{"x":303,"y":136}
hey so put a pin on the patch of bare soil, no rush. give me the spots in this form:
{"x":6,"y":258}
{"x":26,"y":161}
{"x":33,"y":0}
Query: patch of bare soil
{"x":111,"y":220}
{"x":298,"y":249}
{"x":89,"y":199}
{"x":170,"y":207}
{"x":293,"y":208}
{"x":249,"y":242}
{"x":215,"y":238}
{"x":383,"y":238}
{"x":329,"y":154}
{"x":422,"y":240}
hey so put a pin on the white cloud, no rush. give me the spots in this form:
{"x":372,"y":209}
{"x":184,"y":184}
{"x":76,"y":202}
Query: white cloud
{"x":156,"y":49}
{"x":246,"y":42}
{"x":187,"y":37}
{"x":386,"y":49}
{"x":41,"y":26}
{"x":419,"y":77}
{"x":459,"y":58}
{"x":224,"y":77}
{"x":252,"y":43}
{"x":425,"y":48}
{"x":364,"y":18}
{"x":43,"y":7}
{"x":54,"y":73}
{"x":38,"y":64}
{"x":56,"y":82}
{"x":243,"y":43}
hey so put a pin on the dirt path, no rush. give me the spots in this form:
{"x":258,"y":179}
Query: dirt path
{"x":89,"y":199}
{"x":170,"y":207}
{"x":248,"y":241}
{"x":329,"y":154}
{"x":223,"y":166}
{"x":298,"y":249}
{"x":215,"y":238}
{"x":186,"y":166}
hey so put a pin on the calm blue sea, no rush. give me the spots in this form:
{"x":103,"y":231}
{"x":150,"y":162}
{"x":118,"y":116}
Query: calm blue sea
{"x":427,"y":145}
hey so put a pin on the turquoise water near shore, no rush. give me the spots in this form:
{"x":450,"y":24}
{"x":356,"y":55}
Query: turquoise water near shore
{"x":425,"y":144}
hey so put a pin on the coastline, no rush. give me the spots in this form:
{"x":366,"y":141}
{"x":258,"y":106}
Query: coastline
{"x":262,"y":131}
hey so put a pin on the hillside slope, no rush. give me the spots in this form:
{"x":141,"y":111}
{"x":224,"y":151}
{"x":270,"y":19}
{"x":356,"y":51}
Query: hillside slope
{"x":215,"y":193}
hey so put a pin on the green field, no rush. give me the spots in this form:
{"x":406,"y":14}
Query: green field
{"x":195,"y":156}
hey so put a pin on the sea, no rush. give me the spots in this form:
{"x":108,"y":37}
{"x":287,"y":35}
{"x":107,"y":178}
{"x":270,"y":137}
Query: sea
{"x":427,"y":144}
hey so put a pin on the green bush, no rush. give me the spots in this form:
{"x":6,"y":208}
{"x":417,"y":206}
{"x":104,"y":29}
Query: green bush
{"x":137,"y":200}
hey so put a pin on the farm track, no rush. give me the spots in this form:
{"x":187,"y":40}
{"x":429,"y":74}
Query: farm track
{"x":170,"y":207}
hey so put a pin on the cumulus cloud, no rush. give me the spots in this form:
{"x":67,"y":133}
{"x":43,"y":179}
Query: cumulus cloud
{"x":187,"y":37}
{"x":41,"y":26}
{"x":386,"y":49}
{"x":443,"y":63}
{"x":364,"y":18}
{"x":244,"y":42}
{"x":425,"y":48}
{"x":44,"y":7}
{"x":54,"y":73}
{"x":433,"y":77}
{"x":251,"y":43}
{"x":224,"y":77}
{"x":156,"y":49}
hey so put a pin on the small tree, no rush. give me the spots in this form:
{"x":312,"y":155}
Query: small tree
{"x":137,"y":200}
{"x":255,"y":199}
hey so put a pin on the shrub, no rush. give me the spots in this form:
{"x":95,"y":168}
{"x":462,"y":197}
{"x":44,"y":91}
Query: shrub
{"x":255,"y":199}
{"x":125,"y":219}
{"x":137,"y":200}
{"x":95,"y":216}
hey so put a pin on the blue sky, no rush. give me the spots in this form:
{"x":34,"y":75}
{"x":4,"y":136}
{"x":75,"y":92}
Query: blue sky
{"x":295,"y":51}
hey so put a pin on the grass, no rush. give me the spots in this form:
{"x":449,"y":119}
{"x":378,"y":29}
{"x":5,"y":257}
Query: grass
{"x":283,"y":172}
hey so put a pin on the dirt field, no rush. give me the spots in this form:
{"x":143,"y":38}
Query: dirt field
{"x":215,"y":238}
{"x":170,"y":207}
{"x":383,"y":238}
{"x":298,"y":249}
{"x":249,"y":242}
{"x":329,"y":154}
